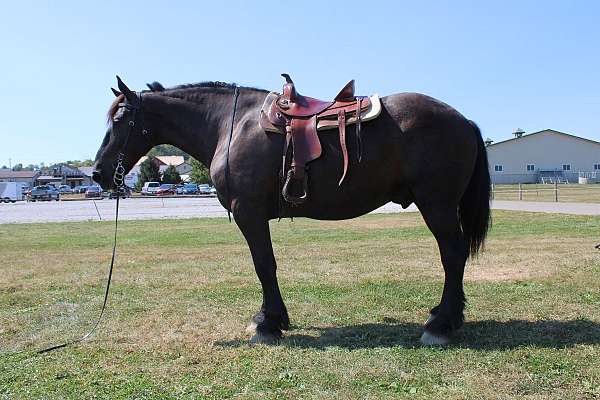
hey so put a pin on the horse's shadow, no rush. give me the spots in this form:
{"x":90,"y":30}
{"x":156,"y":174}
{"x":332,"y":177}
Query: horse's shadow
{"x":485,"y":335}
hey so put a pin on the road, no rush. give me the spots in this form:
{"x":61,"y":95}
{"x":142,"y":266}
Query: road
{"x":157,"y":208}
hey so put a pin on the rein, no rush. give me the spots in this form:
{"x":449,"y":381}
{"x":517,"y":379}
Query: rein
{"x":119,"y":181}
{"x":235,"y":99}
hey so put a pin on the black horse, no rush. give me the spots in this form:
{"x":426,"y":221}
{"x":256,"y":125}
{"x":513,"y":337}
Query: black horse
{"x":419,"y":150}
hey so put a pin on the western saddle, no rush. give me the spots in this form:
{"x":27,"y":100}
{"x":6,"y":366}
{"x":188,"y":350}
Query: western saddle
{"x":299,"y":117}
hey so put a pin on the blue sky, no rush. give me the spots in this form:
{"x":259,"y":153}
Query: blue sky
{"x":512,"y":64}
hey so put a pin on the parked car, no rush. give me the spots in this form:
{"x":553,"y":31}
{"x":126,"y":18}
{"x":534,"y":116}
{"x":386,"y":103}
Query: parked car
{"x":44,"y":193}
{"x":204,"y":188}
{"x":80,"y":189}
{"x":123,"y":193}
{"x":165,"y":189}
{"x":93,"y":192}
{"x":179,"y":189}
{"x":150,"y":188}
{"x":65,"y":189}
{"x":190,"y":188}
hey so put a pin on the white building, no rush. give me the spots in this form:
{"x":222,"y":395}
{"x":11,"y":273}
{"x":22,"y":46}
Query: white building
{"x":547,"y":155}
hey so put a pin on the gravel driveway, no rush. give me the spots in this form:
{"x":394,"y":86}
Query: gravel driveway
{"x":157,"y":208}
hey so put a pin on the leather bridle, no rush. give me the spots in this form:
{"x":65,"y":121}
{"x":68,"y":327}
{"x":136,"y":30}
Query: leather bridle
{"x":136,"y":117}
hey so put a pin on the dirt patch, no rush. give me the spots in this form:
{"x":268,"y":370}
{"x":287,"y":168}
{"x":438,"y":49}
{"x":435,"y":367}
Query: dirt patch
{"x":532,"y":257}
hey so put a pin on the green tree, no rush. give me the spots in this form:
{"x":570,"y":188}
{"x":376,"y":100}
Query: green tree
{"x":78,"y":163}
{"x":18,"y":167}
{"x":167,"y":150}
{"x":171,"y":175}
{"x":199,"y":174}
{"x":149,"y":172}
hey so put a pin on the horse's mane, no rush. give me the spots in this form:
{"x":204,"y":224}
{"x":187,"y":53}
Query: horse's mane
{"x":205,"y":85}
{"x":114,"y":107}
{"x":185,"y":89}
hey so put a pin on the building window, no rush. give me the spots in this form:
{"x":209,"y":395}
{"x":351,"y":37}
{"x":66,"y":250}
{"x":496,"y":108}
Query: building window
{"x":566,"y":167}
{"x":530,"y":167}
{"x":596,"y":167}
{"x":498,"y":168}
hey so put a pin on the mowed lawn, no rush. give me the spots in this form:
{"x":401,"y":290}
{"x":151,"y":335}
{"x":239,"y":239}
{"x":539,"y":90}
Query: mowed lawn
{"x":357,"y":292}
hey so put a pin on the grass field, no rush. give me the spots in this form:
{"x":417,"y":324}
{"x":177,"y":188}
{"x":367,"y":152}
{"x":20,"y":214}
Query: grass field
{"x":576,"y":193}
{"x":357,"y":292}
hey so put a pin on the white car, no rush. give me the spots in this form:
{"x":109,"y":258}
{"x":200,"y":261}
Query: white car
{"x":150,"y":188}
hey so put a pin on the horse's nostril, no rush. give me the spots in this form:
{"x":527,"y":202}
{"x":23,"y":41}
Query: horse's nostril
{"x":96,"y":176}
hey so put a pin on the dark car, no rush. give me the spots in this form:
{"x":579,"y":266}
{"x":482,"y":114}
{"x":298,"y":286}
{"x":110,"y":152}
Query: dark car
{"x":190,"y":188}
{"x":93,"y":192}
{"x":65,"y":189}
{"x":165,"y":189}
{"x":80,"y":189}
{"x":123,"y":193}
{"x":44,"y":192}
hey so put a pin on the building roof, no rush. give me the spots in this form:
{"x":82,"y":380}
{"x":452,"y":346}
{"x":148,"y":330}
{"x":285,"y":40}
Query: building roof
{"x":543,"y":131}
{"x":165,"y":160}
{"x":87,"y":171}
{"x":7,"y":173}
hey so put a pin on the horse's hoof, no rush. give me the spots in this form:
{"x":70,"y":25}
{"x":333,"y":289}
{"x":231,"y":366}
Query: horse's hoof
{"x":431,"y":317}
{"x":433,"y":339}
{"x":251,"y":328}
{"x":264,"y":338}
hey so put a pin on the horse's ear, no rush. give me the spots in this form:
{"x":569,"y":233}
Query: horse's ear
{"x":129,"y":95}
{"x":115,"y":92}
{"x":155,"y":86}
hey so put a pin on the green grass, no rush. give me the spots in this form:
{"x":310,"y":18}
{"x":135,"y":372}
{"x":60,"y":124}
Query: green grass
{"x":357,"y":292}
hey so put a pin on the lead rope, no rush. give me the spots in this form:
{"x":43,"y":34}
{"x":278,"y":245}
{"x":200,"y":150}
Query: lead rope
{"x":118,"y":180}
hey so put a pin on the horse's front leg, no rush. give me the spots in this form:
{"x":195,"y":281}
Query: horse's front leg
{"x":272,"y":317}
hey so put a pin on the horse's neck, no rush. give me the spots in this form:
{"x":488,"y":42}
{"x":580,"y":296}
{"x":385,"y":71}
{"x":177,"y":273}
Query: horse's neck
{"x":196,"y":125}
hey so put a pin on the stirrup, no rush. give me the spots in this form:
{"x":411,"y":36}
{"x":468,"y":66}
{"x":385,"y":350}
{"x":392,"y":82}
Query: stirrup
{"x":295,"y":200}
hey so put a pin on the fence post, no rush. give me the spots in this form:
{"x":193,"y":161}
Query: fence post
{"x":556,"y":191}
{"x":492,"y":191}
{"x":520,"y":192}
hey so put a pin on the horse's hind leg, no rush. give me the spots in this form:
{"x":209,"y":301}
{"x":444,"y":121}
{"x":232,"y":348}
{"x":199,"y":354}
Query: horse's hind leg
{"x":448,"y":316}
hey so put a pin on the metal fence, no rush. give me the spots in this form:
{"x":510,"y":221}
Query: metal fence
{"x":547,"y":192}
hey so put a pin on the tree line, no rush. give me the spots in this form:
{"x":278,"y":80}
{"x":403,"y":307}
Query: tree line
{"x":149,"y":170}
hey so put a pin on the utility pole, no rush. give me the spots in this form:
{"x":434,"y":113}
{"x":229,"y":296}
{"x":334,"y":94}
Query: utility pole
{"x":9,"y":165}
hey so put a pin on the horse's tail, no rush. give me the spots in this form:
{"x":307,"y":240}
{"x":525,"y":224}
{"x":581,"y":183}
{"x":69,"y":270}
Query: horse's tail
{"x":474,"y":209}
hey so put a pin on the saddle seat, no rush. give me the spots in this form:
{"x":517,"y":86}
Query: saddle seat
{"x":299,"y":117}
{"x":293,"y":104}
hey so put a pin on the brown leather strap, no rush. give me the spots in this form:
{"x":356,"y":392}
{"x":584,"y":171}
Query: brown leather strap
{"x":342,"y":127}
{"x":286,"y":146}
{"x":358,"y":137}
